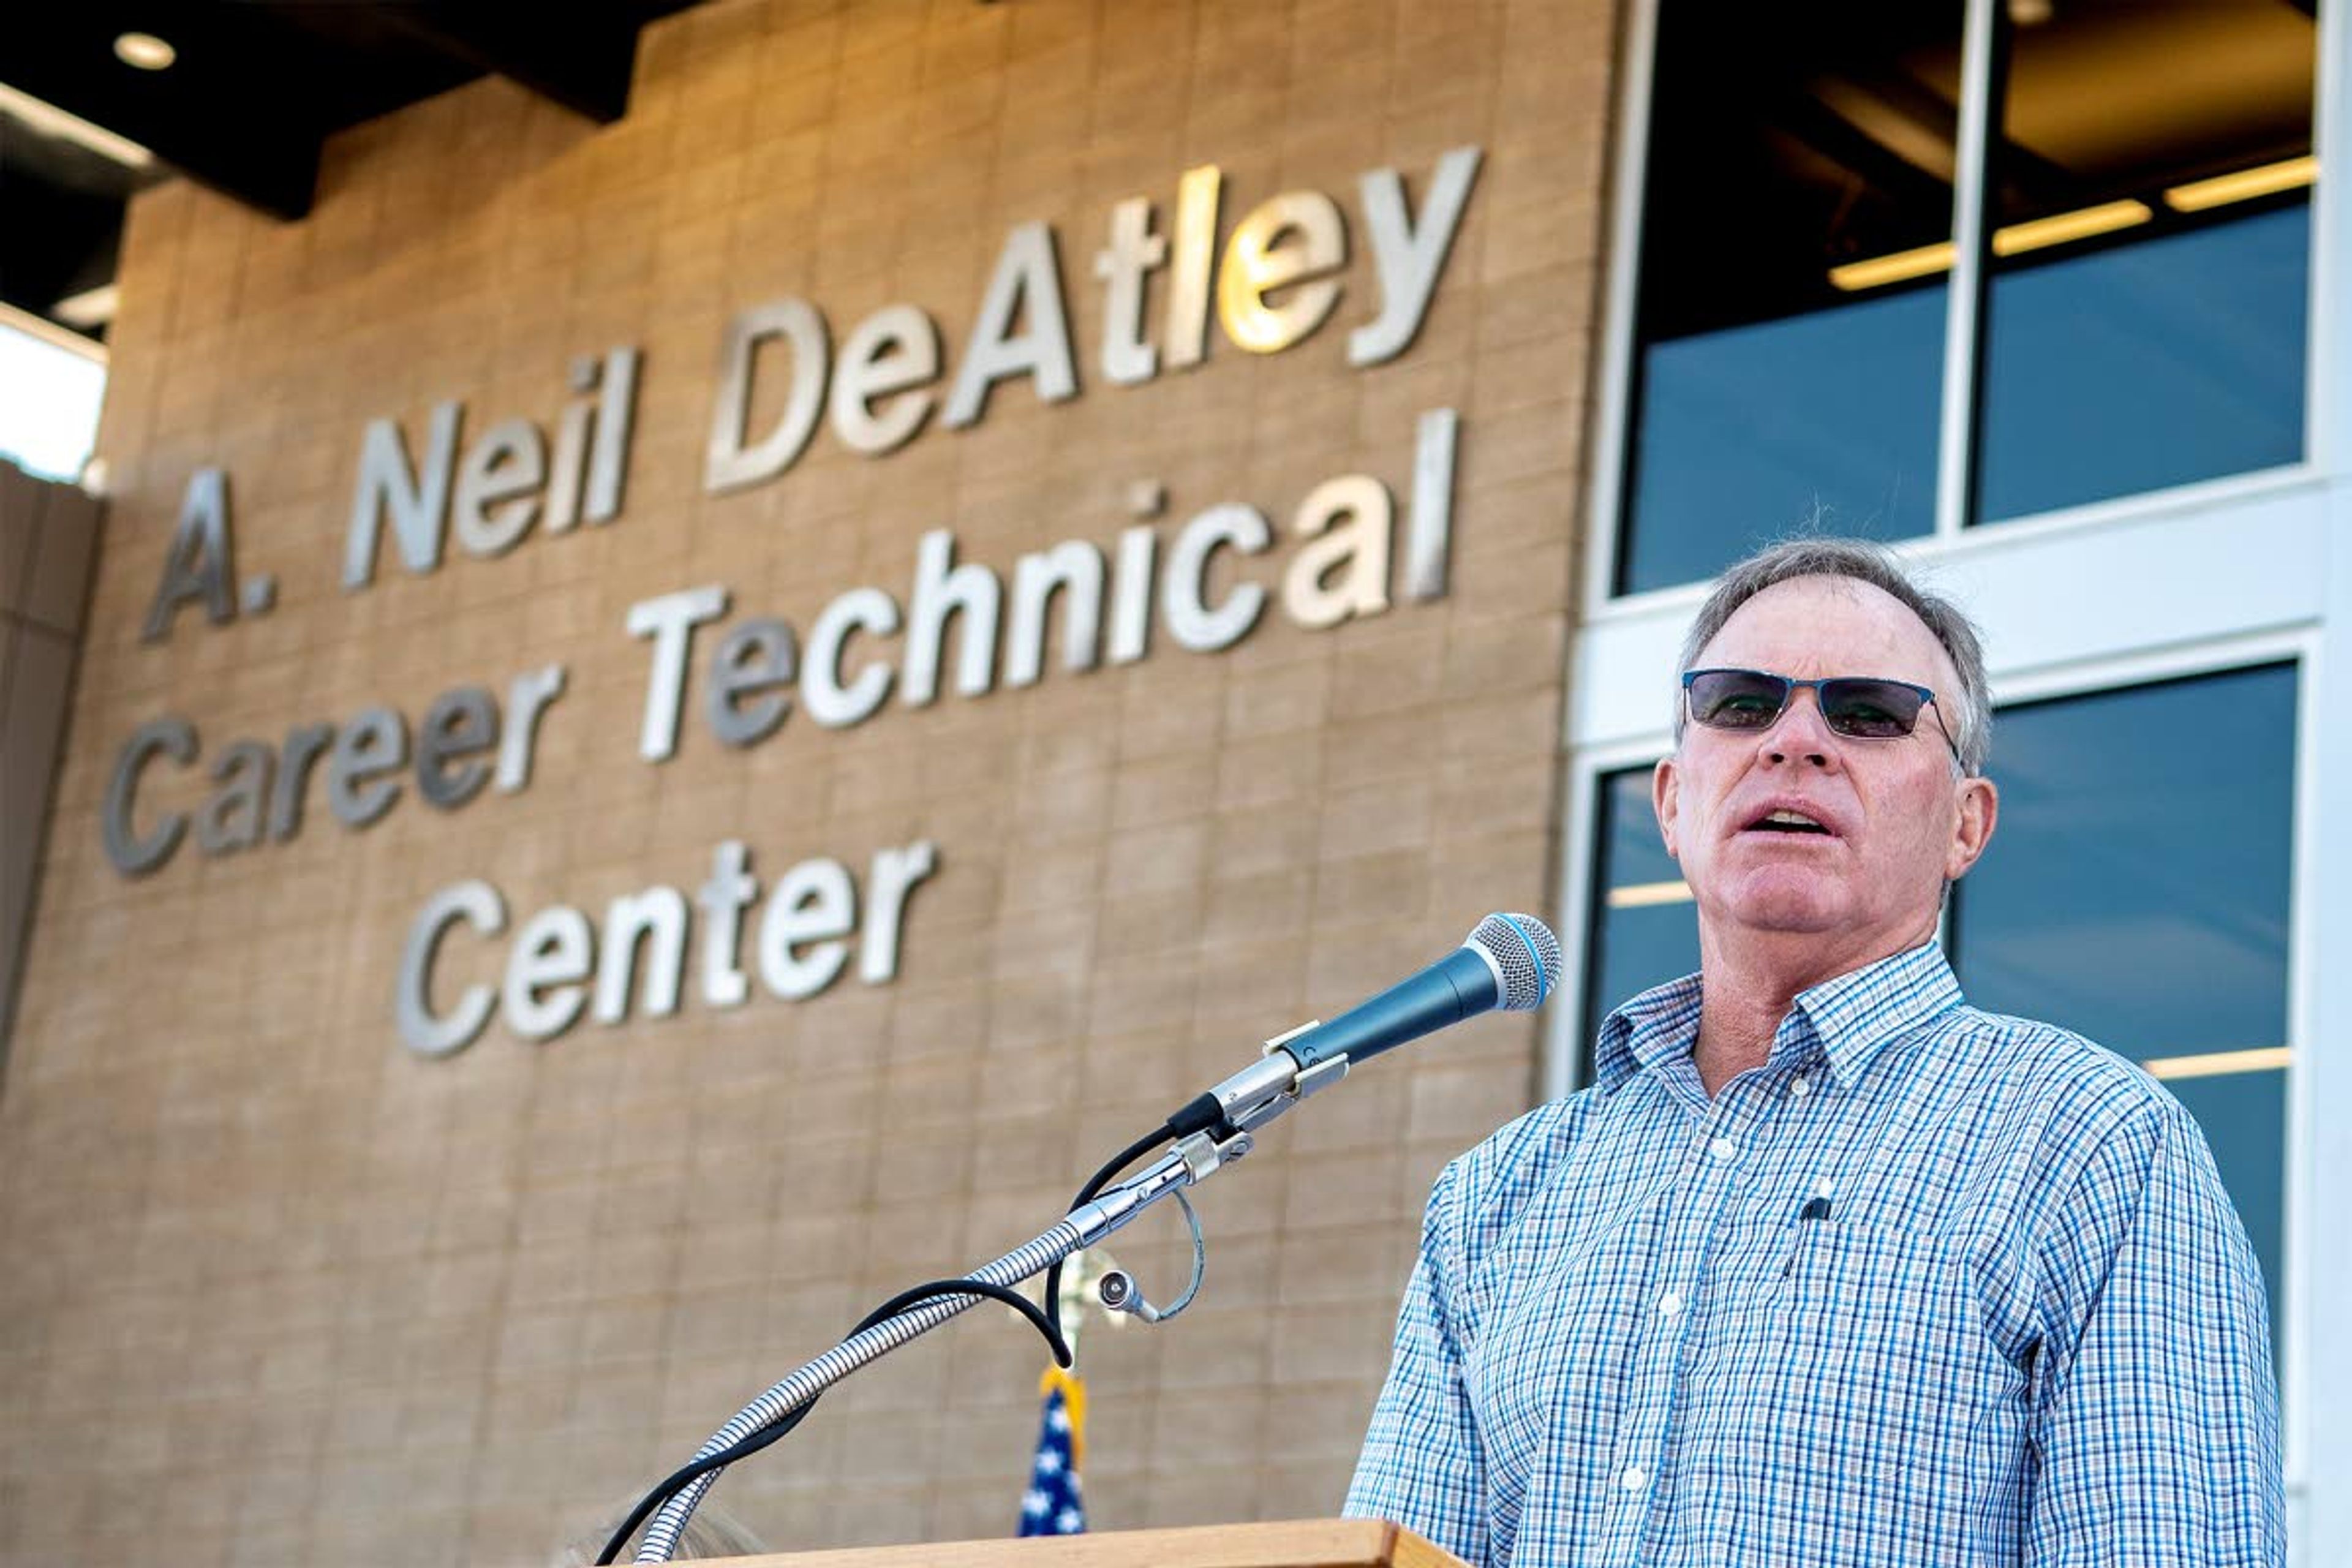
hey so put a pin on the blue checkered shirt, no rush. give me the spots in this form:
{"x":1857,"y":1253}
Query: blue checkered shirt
{"x":1931,"y":1286}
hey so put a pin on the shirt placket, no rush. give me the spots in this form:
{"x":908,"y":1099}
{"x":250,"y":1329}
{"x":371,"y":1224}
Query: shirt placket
{"x":1702,"y":1204}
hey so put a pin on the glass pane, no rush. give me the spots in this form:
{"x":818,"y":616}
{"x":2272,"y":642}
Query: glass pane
{"x":2144,"y":903}
{"x":1645,"y":928}
{"x":1787,"y":145}
{"x":2144,"y":316}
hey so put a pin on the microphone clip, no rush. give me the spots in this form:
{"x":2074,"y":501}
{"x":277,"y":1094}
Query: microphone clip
{"x":1309,"y":1080}
{"x":1254,"y":1096}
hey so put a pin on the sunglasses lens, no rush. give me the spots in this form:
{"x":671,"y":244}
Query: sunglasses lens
{"x":1870,"y":710}
{"x":1736,"y":698}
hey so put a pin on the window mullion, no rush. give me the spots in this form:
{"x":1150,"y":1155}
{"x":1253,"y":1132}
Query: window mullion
{"x":1955,"y":466}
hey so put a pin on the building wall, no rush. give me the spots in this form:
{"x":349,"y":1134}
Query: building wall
{"x":49,"y":536}
{"x":279,"y":1288}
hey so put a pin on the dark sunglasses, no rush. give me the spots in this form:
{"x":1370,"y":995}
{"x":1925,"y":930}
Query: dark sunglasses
{"x":1860,"y":707}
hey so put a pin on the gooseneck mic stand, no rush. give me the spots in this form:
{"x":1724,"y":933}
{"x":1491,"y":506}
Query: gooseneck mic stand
{"x":1510,"y":962}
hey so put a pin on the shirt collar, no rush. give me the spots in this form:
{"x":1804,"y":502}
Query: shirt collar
{"x":1845,"y":1022}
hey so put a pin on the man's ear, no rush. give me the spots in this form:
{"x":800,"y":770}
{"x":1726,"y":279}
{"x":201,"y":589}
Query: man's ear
{"x":1979,"y":807}
{"x":1665,"y":799}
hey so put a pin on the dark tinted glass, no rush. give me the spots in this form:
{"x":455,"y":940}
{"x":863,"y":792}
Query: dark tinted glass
{"x":1644,"y":932}
{"x":2144,"y":316}
{"x":2144,"y":903}
{"x":1786,"y":144}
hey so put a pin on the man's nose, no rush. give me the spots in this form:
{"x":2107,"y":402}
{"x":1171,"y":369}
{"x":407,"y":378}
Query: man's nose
{"x":1800,"y":734}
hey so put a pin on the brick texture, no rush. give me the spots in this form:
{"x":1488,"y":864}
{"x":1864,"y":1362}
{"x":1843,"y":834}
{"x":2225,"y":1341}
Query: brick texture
{"x":280,"y":1289}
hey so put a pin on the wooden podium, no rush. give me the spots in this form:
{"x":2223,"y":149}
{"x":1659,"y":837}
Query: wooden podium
{"x":1295,"y":1543}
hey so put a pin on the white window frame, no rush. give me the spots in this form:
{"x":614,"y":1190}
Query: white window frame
{"x":2210,"y":576}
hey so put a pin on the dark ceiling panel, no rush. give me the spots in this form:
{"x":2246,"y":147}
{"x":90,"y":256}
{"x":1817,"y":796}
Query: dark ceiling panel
{"x":257,"y":87}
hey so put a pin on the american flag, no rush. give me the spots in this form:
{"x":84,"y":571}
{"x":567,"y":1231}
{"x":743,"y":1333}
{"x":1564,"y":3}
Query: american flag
{"x":1052,"y":1505}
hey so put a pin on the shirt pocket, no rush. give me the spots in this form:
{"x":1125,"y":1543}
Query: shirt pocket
{"x":1844,"y":1346}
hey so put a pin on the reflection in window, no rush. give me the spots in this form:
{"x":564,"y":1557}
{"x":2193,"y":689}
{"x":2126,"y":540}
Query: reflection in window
{"x":2129,"y":898}
{"x":2144,"y":319}
{"x":1643,"y":932}
{"x":1786,"y":142}
{"x":2144,"y":903}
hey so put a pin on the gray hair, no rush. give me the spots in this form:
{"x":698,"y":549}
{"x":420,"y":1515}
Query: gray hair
{"x":1969,"y":710}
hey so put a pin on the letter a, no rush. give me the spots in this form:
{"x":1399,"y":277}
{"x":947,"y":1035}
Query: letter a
{"x":199,"y":565}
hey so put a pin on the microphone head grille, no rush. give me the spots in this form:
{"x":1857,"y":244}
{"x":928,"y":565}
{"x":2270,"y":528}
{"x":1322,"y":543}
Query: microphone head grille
{"x":1524,"y":948}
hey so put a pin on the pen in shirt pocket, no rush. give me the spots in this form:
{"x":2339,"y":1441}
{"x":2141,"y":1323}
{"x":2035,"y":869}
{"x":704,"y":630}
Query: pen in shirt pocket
{"x":1816,"y":1208}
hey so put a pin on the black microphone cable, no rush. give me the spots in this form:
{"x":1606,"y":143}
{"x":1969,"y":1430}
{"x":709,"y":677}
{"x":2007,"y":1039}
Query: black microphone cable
{"x":686,"y":1475}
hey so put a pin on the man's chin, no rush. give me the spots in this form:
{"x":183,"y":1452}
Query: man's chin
{"x":1792,"y":905}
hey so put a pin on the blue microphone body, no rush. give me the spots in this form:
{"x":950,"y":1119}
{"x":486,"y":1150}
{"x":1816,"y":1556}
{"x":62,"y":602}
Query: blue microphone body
{"x":1511,"y":961}
{"x":1457,"y":986}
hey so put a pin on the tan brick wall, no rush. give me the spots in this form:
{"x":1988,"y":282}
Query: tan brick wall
{"x":278,"y":1290}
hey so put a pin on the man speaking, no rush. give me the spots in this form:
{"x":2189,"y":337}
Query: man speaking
{"x":1827,"y":1266}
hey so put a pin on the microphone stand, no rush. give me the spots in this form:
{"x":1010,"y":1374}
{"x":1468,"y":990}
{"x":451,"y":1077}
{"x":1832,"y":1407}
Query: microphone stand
{"x":1222,"y":1134}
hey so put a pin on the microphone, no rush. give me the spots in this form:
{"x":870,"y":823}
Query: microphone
{"x":1509,"y":962}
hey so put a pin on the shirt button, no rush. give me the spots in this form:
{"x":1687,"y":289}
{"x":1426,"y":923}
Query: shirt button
{"x":1722,"y":1149}
{"x":1635,"y":1479}
{"x":1670,"y":1305}
{"x":1800,"y":1087}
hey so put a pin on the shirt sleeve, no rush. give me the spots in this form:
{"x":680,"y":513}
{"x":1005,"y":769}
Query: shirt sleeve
{"x":2156,"y":1435}
{"x":1420,"y":1464}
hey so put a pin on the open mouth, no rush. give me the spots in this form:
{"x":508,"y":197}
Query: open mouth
{"x":1781,"y":819}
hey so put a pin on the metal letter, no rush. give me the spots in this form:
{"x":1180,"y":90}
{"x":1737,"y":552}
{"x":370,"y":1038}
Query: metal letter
{"x":133,"y":856}
{"x":823,"y":696}
{"x":528,"y":696}
{"x":659,"y":912}
{"x":495,"y":502}
{"x":1027,"y":284}
{"x":1130,"y":608}
{"x":231,"y":819}
{"x":893,"y":350}
{"x":670,"y":621}
{"x":1429,"y":537}
{"x":814,"y":904}
{"x":1192,"y":623}
{"x":417,"y":505}
{"x":970,"y":592}
{"x":1258,"y":261}
{"x":1407,"y":260}
{"x":460,"y":725}
{"x":479,"y":905}
{"x":1134,"y":252}
{"x":553,"y":953}
{"x":750,"y":662}
{"x":1346,"y":522}
{"x":895,"y":873}
{"x":1197,"y":195}
{"x":305,"y":744}
{"x":374,"y":743}
{"x":729,"y":464}
{"x":608,"y":454}
{"x":200,"y":564}
{"x":1075,"y":568}
{"x":723,"y":899}
{"x":567,"y":470}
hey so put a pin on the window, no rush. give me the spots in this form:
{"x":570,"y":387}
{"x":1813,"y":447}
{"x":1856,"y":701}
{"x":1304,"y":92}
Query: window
{"x":1786,"y":142}
{"x":1644,"y":932}
{"x":2144,"y":902}
{"x":2144,"y":321}
{"x":2129,"y":896}
{"x":2138,"y":320}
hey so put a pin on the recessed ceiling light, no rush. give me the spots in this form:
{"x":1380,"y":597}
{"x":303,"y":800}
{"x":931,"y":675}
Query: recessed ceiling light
{"x":145,"y":51}
{"x":91,"y":308}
